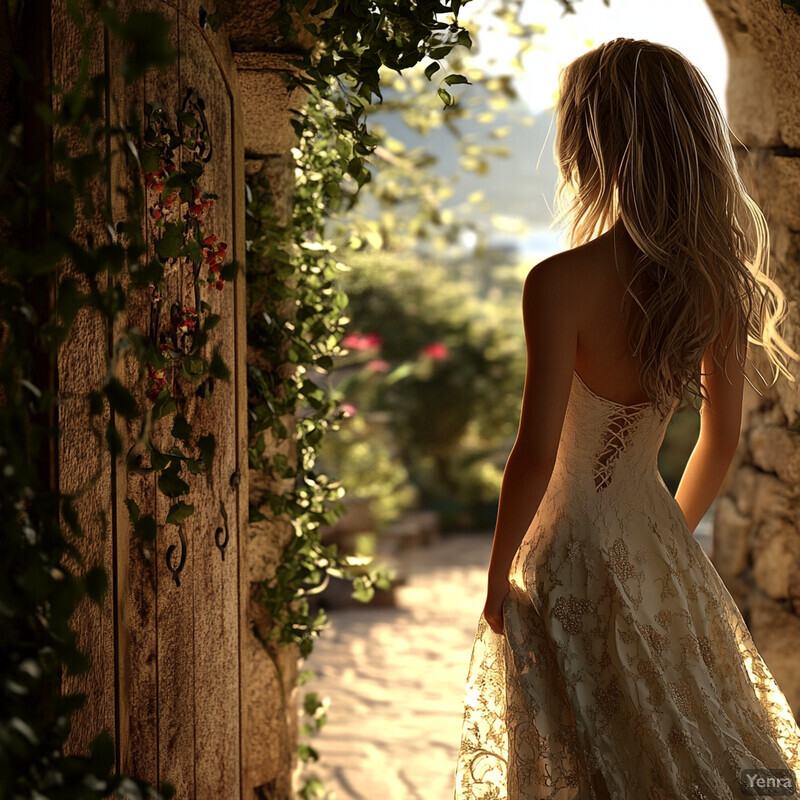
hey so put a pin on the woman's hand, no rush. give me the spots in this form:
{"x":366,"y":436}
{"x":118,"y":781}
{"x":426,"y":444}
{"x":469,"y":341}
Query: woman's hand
{"x":493,"y":608}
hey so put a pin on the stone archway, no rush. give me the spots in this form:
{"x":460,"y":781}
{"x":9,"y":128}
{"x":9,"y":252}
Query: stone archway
{"x":756,"y":535}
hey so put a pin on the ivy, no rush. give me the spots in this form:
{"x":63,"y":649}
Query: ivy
{"x":353,"y":42}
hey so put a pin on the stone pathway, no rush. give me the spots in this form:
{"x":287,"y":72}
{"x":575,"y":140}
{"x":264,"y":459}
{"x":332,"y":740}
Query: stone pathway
{"x":395,"y":677}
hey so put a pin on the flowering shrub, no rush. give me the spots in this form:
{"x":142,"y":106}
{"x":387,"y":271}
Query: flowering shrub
{"x":445,"y":367}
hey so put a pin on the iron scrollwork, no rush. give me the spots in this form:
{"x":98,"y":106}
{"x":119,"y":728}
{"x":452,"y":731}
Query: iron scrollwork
{"x":220,"y":530}
{"x":175,"y":570}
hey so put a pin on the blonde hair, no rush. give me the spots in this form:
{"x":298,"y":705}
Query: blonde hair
{"x":641,"y":138}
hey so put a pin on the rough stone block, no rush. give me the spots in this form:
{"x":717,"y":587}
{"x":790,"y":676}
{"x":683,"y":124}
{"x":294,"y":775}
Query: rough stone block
{"x":777,"y":450}
{"x":777,"y":559}
{"x":730,"y":538}
{"x":776,"y":634}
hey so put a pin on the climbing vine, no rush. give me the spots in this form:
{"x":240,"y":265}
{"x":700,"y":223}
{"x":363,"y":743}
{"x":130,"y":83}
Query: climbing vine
{"x":295,"y":326}
{"x":174,"y":353}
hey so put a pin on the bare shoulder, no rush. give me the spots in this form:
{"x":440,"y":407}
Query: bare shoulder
{"x":558,"y":279}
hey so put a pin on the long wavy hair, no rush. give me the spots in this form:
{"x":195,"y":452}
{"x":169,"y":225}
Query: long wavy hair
{"x":640,"y":137}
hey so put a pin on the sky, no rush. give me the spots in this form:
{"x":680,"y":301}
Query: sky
{"x":686,"y":25}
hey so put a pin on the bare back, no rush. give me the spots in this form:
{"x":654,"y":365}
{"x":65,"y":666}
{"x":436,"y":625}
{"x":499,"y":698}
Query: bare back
{"x":603,"y":359}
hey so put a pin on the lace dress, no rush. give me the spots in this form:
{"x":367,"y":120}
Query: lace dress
{"x":626,"y":671}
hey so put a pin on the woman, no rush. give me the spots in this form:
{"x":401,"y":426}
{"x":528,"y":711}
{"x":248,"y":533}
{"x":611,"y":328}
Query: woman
{"x":610,"y":661}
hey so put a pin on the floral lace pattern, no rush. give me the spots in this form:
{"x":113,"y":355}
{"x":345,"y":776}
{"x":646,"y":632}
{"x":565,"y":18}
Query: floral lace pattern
{"x":626,"y":671}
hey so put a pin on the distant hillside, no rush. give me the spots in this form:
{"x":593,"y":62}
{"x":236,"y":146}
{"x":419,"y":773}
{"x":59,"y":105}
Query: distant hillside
{"x":512,"y":186}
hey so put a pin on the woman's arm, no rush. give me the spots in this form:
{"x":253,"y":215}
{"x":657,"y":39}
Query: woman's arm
{"x":720,"y":425}
{"x":704,"y":473}
{"x":551,"y":333}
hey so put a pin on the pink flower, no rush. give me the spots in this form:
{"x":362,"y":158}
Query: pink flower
{"x":435,"y":350}
{"x":348,"y":409}
{"x":359,"y":341}
{"x":378,"y":365}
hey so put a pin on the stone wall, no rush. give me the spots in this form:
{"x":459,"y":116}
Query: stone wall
{"x":270,"y":709}
{"x":756,"y":538}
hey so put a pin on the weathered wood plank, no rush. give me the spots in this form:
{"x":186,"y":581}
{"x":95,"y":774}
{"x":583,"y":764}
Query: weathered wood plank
{"x":242,"y":488}
{"x":214,"y":524}
{"x":174,"y":603}
{"x":84,"y":464}
{"x":137,"y":686}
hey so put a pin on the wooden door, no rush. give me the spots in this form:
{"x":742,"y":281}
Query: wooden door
{"x":164,"y":648}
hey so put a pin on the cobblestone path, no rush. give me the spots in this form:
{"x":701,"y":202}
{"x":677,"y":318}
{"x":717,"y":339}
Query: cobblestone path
{"x":395,"y":677}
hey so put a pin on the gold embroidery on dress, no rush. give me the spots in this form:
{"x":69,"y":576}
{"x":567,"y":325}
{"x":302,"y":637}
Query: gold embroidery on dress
{"x":626,"y":671}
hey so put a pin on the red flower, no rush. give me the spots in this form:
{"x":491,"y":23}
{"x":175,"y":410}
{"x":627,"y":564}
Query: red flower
{"x":185,"y":320}
{"x":158,"y":380}
{"x":435,"y":350}
{"x":378,"y":365}
{"x":214,"y":256}
{"x":154,"y":180}
{"x":199,"y":204}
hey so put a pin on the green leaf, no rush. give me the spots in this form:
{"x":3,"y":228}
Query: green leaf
{"x":149,"y":157}
{"x":229,"y":270}
{"x":179,"y":512}
{"x":121,"y":399}
{"x":146,"y":528}
{"x":158,"y":460}
{"x":207,"y":446}
{"x":195,"y":466}
{"x":181,"y":428}
{"x":447,"y":98}
{"x":441,"y":51}
{"x":171,"y":241}
{"x":193,"y":250}
{"x":133,"y":509}
{"x":170,"y":482}
{"x":362,"y":591}
{"x":432,"y":69}
{"x":451,"y":79}
{"x":96,"y":582}
{"x":218,"y":368}
{"x":163,"y":406}
{"x":465,"y":39}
